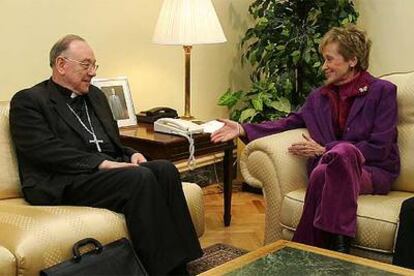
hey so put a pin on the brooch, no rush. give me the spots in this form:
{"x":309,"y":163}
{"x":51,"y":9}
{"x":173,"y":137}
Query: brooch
{"x":363,"y":90}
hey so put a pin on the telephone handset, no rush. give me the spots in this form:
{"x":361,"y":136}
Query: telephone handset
{"x":177,"y":126}
{"x":163,"y":111}
{"x":153,"y":114}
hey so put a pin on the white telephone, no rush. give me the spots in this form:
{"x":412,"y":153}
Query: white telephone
{"x":182,"y":128}
{"x":177,"y":126}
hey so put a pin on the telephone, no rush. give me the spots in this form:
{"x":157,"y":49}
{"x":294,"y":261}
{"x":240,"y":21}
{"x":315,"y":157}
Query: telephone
{"x":153,"y":114}
{"x":183,"y":128}
{"x":177,"y":126}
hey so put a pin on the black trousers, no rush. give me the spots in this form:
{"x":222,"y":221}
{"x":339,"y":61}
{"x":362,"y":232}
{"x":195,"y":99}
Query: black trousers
{"x":404,"y":247}
{"x":152,"y":200}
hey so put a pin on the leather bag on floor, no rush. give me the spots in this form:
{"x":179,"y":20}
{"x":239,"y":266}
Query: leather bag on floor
{"x":116,"y":258}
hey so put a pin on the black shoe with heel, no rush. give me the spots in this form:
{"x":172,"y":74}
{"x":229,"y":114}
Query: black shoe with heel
{"x":341,"y":243}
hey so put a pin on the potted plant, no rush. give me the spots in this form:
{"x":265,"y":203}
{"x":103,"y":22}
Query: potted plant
{"x":282,"y":48}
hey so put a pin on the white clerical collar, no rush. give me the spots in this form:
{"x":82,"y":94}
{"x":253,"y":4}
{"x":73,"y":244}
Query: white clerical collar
{"x":73,"y":95}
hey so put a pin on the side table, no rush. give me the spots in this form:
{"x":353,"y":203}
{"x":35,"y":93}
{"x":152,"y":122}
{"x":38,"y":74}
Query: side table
{"x":156,"y":145}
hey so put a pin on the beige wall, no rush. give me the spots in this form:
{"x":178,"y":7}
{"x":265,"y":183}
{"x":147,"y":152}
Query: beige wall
{"x":120,"y":32}
{"x":390,"y":24}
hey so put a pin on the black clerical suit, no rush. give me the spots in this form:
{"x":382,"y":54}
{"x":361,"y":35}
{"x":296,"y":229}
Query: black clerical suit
{"x":59,"y":166}
{"x":404,"y":245}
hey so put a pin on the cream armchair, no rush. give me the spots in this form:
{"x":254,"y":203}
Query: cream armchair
{"x":265,"y":163}
{"x":36,"y":237}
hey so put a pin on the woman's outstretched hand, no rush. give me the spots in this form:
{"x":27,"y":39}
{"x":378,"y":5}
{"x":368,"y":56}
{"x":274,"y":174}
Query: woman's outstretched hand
{"x":229,"y":131}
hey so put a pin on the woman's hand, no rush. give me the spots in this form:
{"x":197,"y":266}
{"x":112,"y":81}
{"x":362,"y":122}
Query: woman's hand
{"x":229,"y":131}
{"x":307,"y":148}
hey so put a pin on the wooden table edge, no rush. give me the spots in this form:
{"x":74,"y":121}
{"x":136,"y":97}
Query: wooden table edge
{"x":262,"y":251}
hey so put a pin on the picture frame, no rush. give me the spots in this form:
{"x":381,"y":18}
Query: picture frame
{"x":119,"y":98}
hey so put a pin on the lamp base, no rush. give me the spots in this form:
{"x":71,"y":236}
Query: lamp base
{"x":188,"y":118}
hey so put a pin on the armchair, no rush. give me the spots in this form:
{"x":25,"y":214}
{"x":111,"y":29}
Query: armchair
{"x":266,"y":163}
{"x":36,"y":237}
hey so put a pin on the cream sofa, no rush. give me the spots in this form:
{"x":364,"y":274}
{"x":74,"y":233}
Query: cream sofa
{"x":36,"y":237}
{"x":266,"y":163}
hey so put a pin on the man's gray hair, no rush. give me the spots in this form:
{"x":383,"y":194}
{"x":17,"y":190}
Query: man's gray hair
{"x":60,"y":46}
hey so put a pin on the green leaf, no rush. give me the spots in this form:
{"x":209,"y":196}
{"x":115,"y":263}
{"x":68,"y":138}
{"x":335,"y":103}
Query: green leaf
{"x":282,"y":105}
{"x":317,"y":64}
{"x":247,"y":114}
{"x":257,"y":103}
{"x":280,"y":47}
{"x":230,"y":98}
{"x":288,"y":85}
{"x":295,"y":53}
{"x":285,"y":33}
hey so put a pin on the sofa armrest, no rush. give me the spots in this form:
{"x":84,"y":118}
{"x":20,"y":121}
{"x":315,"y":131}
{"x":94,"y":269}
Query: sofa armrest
{"x":266,"y":163}
{"x":7,"y":262}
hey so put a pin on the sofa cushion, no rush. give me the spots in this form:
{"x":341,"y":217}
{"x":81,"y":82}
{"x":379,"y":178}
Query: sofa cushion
{"x":377,"y":218}
{"x":40,"y":236}
{"x":195,"y":202}
{"x":9,"y":177}
{"x":405,"y":99}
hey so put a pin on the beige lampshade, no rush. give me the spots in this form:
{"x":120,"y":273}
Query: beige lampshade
{"x":188,"y":22}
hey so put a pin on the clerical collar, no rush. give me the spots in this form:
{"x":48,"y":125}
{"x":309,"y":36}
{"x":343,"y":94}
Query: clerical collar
{"x":67,"y":93}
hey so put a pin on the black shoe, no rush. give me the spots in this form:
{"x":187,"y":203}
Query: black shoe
{"x":341,"y":243}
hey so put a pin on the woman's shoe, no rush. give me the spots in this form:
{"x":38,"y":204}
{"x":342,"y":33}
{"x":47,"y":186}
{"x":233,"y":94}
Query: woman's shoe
{"x":341,"y":243}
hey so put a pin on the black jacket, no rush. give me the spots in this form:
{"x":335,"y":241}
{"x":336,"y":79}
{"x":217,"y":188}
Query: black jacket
{"x":48,"y":140}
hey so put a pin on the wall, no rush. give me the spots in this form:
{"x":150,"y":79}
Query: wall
{"x":389,"y":24}
{"x":120,"y":32}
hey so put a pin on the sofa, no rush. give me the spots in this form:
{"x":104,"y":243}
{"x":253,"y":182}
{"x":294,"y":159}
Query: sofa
{"x":36,"y":237}
{"x":266,"y":163}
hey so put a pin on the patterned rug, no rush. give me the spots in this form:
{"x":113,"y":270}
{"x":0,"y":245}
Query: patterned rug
{"x":214,"y":255}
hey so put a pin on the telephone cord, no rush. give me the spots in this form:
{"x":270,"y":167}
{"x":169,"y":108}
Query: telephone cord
{"x":191,"y":162}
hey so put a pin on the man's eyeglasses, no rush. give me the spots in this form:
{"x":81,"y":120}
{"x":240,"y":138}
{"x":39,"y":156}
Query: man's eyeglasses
{"x":85,"y":65}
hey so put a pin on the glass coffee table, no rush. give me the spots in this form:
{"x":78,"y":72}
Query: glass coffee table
{"x":289,"y":258}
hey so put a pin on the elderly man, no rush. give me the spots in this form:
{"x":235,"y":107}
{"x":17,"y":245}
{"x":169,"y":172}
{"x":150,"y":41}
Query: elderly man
{"x":69,"y":153}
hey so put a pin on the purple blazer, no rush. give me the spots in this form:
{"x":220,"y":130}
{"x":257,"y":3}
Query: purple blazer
{"x":371,"y":126}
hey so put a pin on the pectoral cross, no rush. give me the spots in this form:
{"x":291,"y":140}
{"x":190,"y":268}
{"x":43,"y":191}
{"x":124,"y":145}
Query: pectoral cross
{"x":96,"y":141}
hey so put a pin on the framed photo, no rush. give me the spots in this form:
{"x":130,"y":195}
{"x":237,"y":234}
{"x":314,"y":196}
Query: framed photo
{"x":119,"y":98}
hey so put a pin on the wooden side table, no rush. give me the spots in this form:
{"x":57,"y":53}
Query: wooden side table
{"x":156,"y":145}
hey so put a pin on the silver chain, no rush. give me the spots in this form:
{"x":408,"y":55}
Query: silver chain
{"x":91,"y":131}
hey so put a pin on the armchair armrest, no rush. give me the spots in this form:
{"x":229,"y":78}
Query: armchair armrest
{"x":266,"y":163}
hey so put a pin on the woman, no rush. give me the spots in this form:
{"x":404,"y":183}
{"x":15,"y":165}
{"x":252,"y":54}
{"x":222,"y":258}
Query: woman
{"x":352,"y":147}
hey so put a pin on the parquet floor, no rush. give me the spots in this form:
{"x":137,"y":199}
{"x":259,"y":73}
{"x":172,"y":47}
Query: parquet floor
{"x":247,"y":225}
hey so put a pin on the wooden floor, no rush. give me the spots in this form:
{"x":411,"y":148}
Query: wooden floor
{"x":247,"y":225}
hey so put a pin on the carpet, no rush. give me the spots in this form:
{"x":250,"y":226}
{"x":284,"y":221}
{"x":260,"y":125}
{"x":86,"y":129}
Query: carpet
{"x":213,"y":256}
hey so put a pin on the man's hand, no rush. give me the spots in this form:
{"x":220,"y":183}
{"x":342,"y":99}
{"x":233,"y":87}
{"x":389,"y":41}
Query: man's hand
{"x":107,"y":165}
{"x":138,"y":158}
{"x":229,"y":131}
{"x":307,"y":148}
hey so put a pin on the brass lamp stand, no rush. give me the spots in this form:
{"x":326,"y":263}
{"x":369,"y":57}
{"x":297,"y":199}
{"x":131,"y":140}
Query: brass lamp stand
{"x":187,"y":103}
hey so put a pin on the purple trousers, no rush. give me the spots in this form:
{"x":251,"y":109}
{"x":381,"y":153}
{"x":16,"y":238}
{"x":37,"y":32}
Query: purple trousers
{"x":331,"y":197}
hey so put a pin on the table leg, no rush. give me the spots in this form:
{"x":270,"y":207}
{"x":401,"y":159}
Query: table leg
{"x":227,"y":183}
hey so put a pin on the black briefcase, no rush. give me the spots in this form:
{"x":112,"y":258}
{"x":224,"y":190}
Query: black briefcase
{"x":115,"y":258}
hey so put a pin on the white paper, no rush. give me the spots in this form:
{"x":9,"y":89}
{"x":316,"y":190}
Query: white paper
{"x":211,"y":126}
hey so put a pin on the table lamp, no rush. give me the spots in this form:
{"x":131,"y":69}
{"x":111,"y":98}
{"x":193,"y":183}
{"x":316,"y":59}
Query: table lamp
{"x":186,"y":23}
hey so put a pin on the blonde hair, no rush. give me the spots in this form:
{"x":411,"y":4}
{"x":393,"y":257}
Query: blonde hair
{"x":352,"y":42}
